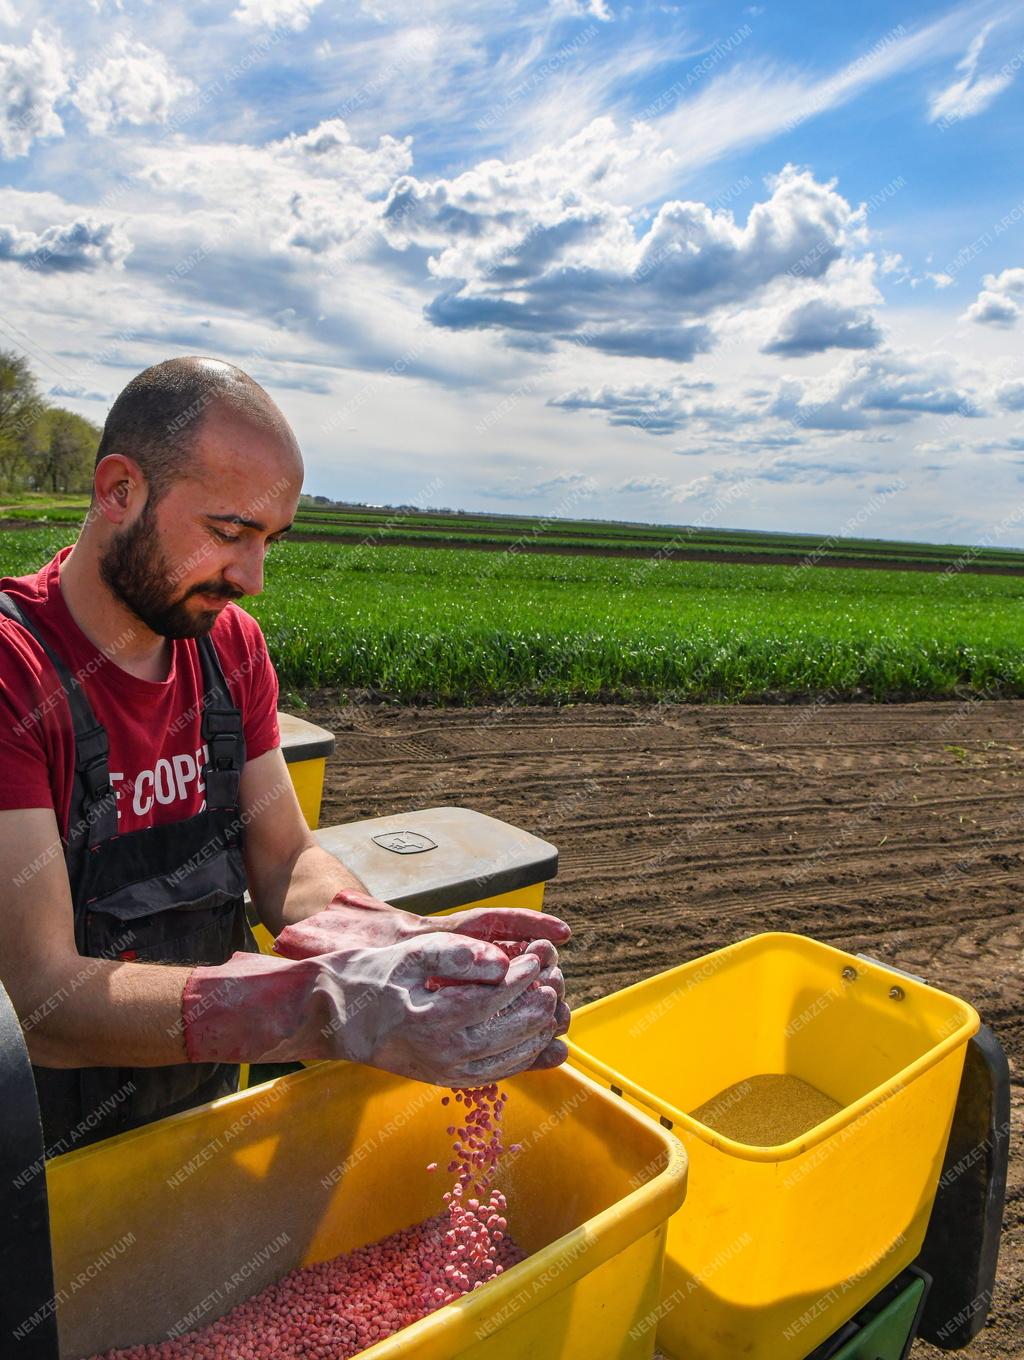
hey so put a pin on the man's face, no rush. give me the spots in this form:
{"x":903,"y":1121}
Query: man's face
{"x":179,"y":562}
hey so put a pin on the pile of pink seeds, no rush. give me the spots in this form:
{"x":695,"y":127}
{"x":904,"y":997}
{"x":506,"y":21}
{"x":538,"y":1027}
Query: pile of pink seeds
{"x":329,"y":1311}
{"x":336,"y":1309}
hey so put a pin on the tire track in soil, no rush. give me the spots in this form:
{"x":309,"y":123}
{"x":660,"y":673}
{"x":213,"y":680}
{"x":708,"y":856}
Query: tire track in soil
{"x":900,"y":830}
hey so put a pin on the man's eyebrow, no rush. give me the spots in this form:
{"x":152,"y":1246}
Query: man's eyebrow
{"x":246,"y":523}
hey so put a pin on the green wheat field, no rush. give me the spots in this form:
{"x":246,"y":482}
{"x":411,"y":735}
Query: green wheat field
{"x":457,"y":626}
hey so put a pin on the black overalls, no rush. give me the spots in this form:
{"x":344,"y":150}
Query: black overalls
{"x":166,"y":894}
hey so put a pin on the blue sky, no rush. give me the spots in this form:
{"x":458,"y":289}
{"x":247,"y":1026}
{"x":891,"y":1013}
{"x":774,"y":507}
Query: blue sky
{"x":752,"y":265}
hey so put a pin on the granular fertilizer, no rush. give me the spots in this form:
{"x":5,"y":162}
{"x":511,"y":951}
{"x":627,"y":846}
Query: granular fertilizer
{"x":767,"y":1109}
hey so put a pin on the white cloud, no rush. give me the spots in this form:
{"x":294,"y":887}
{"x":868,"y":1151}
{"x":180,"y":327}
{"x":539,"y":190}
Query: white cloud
{"x":644,"y":486}
{"x":821,"y":324}
{"x":78,"y":392}
{"x":997,"y":304}
{"x":895,"y":265}
{"x":656,"y":410}
{"x":754,"y":101}
{"x":886,"y":388}
{"x":596,"y":9}
{"x":7,"y":14}
{"x":860,"y":393}
{"x":311,"y":193}
{"x":535,"y":246}
{"x":266,"y":178}
{"x":1010,"y":396}
{"x":134,"y":84}
{"x":82,"y":244}
{"x":993,"y":309}
{"x":33,"y":79}
{"x":292,"y":14}
{"x":971,"y":94}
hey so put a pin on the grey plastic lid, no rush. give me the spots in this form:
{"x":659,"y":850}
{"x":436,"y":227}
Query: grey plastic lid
{"x":302,"y":740}
{"x":440,"y":857}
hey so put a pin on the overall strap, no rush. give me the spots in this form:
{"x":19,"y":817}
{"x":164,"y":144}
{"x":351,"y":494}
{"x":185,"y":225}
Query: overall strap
{"x":221,"y":731}
{"x":93,"y":795}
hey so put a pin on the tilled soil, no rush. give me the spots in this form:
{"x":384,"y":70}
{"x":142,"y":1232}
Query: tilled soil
{"x":897,"y":830}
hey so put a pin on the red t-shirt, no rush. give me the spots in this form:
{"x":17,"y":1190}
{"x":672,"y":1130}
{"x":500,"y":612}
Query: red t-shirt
{"x":153,"y":727}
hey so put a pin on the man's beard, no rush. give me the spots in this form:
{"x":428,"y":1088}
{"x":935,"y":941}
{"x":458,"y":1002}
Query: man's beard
{"x":138,"y":574}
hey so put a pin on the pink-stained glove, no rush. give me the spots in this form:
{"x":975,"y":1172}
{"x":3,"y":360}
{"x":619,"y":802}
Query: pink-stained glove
{"x":373,"y":1005}
{"x":355,"y":918}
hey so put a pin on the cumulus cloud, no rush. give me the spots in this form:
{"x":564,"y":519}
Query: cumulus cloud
{"x":291,"y":14}
{"x":33,"y":78}
{"x":539,"y":245}
{"x":653,"y":409}
{"x":822,"y":324}
{"x":644,"y":486}
{"x":680,"y":343}
{"x":861,"y":393}
{"x":997,"y":304}
{"x":134,"y":84}
{"x":329,"y":149}
{"x":971,"y":94}
{"x":887,"y":388}
{"x":82,"y":244}
{"x":1010,"y":395}
{"x":311,"y":192}
{"x":596,"y":9}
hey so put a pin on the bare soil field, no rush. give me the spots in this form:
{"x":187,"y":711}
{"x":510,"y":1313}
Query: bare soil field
{"x":897,"y":830}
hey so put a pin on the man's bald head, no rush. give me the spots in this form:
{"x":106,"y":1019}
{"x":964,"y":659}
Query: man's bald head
{"x":157,"y":419}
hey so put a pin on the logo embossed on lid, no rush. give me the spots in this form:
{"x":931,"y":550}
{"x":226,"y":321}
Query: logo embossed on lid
{"x":404,"y":842}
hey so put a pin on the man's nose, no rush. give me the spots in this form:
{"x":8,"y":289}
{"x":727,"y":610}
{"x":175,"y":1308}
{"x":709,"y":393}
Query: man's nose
{"x":245,"y":570}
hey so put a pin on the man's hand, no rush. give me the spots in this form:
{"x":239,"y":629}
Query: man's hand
{"x":354,"y":918}
{"x":373,"y":1005}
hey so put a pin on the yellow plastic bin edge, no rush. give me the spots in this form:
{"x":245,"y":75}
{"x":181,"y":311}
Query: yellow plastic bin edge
{"x":589,"y":1065}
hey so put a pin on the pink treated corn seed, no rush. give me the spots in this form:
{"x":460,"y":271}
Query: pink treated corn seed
{"x":336,"y":1309}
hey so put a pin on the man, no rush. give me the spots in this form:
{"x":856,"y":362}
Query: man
{"x":142,"y":788}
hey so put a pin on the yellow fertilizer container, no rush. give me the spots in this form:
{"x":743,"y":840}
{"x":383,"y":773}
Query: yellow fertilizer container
{"x":305,"y":748}
{"x":191,"y":1215}
{"x":781,"y":1244}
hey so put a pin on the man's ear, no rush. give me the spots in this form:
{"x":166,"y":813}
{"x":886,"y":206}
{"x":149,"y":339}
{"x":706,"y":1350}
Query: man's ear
{"x":118,"y":484}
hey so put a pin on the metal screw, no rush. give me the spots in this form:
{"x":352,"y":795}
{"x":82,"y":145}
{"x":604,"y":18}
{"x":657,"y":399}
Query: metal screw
{"x":896,"y":993}
{"x":849,"y":974}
